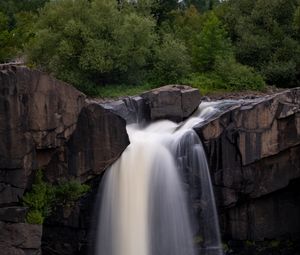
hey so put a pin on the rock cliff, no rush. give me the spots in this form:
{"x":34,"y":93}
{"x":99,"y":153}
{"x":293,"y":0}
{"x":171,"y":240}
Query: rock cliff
{"x":45,"y":123}
{"x":253,"y":150}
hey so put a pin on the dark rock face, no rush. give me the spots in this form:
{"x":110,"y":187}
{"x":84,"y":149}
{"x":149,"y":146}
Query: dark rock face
{"x":37,"y":114}
{"x":131,"y":109}
{"x":45,"y":123}
{"x":173,"y":102}
{"x":20,"y":238}
{"x":99,"y":139}
{"x":253,"y":151}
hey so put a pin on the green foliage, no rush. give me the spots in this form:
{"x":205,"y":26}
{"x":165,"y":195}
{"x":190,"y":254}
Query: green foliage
{"x":236,"y":76}
{"x":172,"y":61}
{"x":93,"y":42}
{"x":7,"y":48}
{"x":206,"y":82}
{"x":212,"y":44}
{"x":35,"y":217}
{"x":66,"y":193}
{"x":202,"y":5}
{"x":39,"y":199}
{"x":266,"y":36}
{"x":227,"y":76}
{"x":96,"y":44}
{"x":16,"y":24}
{"x":44,"y":197}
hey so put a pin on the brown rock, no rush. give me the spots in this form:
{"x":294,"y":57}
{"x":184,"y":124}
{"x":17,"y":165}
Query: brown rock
{"x":174,"y":102}
{"x":37,"y":112}
{"x":99,"y":139}
{"x":20,"y":235}
{"x":253,"y":152}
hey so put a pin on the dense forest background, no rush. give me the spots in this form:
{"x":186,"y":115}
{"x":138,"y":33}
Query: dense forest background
{"x":107,"y":45}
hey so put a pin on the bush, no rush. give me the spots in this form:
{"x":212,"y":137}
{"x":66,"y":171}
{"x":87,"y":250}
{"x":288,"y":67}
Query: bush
{"x":236,"y":76}
{"x":39,"y":199}
{"x":93,"y":42}
{"x":228,"y":76}
{"x":66,"y":193}
{"x":205,"y":82}
{"x":43,"y":197}
{"x":172,"y":61}
{"x":34,"y":217}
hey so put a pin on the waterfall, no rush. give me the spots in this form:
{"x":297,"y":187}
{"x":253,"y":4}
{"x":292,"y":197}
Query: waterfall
{"x":146,"y":194}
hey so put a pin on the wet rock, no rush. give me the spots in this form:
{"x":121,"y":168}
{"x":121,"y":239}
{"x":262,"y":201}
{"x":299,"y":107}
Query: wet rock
{"x":131,"y":109}
{"x":173,"y":102}
{"x":99,"y":139}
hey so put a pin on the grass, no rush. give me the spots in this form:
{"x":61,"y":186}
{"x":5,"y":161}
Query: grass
{"x":115,"y":91}
{"x":207,"y":83}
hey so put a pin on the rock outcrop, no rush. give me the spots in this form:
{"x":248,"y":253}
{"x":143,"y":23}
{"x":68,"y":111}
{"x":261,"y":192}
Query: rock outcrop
{"x":46,"y":123}
{"x":253,"y":151}
{"x":37,"y":115}
{"x":99,"y":139}
{"x":173,"y":102}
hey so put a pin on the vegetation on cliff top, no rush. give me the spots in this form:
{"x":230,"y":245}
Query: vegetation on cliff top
{"x":212,"y":45}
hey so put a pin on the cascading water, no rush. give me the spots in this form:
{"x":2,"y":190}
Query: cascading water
{"x":144,"y":207}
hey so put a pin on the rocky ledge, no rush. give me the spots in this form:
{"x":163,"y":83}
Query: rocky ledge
{"x":253,"y":150}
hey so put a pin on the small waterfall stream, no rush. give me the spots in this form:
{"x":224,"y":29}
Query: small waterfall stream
{"x":145,"y":207}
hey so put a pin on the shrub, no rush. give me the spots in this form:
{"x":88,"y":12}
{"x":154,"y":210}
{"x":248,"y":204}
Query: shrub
{"x":172,"y":61}
{"x":66,"y":193}
{"x":39,"y":199}
{"x":34,"y":217}
{"x":43,"y":197}
{"x":236,"y":76}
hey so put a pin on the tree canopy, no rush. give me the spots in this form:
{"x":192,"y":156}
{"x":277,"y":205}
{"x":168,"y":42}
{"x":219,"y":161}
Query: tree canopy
{"x":231,"y":44}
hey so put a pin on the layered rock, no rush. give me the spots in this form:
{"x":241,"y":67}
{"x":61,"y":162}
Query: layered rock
{"x":253,"y":151}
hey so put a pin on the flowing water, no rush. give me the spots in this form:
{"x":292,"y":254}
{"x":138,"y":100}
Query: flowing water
{"x":146,"y":195}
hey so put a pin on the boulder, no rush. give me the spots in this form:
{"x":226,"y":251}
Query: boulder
{"x":173,"y":102}
{"x":99,"y":139}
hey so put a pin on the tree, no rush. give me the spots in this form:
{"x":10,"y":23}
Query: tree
{"x":93,"y":42}
{"x":211,"y":44}
{"x":7,"y":48}
{"x":172,"y":61}
{"x":202,"y":5}
{"x":265,"y":35}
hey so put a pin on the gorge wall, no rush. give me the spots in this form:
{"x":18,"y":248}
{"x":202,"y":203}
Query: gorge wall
{"x":253,"y":151}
